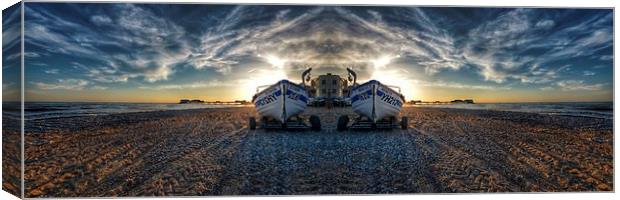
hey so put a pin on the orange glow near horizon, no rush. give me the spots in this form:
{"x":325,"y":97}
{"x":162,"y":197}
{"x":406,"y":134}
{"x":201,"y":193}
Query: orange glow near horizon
{"x":247,"y":88}
{"x":244,"y":89}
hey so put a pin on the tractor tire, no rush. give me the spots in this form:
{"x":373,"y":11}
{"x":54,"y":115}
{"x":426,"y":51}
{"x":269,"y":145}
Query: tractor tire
{"x":404,"y":123}
{"x":343,"y":121}
{"x":252,"y":123}
{"x":315,"y":123}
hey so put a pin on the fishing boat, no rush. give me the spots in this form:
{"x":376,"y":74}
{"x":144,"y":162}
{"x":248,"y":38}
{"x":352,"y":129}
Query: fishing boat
{"x":280,"y":105}
{"x":281,"y":100}
{"x":378,"y":105}
{"x":376,"y":100}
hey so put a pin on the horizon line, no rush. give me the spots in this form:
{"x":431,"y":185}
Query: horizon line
{"x":484,"y":102}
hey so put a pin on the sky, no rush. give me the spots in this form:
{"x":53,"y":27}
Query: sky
{"x":11,"y":52}
{"x":164,"y":52}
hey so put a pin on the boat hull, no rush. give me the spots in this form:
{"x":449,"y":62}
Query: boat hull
{"x":280,"y":101}
{"x":376,"y":101}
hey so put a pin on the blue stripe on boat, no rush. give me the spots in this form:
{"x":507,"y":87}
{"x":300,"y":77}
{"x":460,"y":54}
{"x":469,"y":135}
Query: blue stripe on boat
{"x":301,"y":97}
{"x":355,"y":98}
{"x":379,"y":93}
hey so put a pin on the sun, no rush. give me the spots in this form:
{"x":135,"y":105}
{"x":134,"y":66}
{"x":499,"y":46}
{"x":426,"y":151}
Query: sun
{"x":260,"y":77}
{"x":394,"y":76}
{"x":274,"y":61}
{"x":263,"y":76}
{"x":383,"y":61}
{"x":398,"y":78}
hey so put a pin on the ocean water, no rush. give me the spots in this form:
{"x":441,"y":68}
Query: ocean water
{"x":47,"y":110}
{"x":60,"y":110}
{"x":581,"y":109}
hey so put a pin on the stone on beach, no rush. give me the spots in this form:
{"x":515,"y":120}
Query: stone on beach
{"x":211,"y":152}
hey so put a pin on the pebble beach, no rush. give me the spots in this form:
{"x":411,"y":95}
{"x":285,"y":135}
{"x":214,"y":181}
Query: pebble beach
{"x":212,"y":152}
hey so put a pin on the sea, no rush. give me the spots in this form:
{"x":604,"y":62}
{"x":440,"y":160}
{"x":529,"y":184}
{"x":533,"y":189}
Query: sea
{"x":47,"y":110}
{"x":604,"y":110}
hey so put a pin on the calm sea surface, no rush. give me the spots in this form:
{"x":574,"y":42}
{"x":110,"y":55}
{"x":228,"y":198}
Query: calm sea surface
{"x":41,"y":110}
{"x":581,"y":109}
{"x":57,"y":110}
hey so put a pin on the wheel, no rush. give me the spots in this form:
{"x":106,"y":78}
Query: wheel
{"x":315,"y":123}
{"x":264,"y":121}
{"x":343,"y":121}
{"x":252,"y":123}
{"x":404,"y":123}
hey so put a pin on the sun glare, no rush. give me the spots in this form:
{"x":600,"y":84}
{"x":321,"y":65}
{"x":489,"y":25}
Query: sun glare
{"x":397,"y":78}
{"x":383,"y":61}
{"x":260,"y":77}
{"x":393,"y":77}
{"x":275,"y":61}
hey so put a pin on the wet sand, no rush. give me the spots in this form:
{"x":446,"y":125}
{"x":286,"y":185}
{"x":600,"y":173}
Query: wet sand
{"x":211,"y":152}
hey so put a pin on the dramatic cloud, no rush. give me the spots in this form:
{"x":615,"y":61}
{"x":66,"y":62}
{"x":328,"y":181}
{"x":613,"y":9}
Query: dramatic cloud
{"x":189,"y":46}
{"x":145,"y":44}
{"x":502,"y":48}
{"x":10,"y":29}
{"x":11,"y":51}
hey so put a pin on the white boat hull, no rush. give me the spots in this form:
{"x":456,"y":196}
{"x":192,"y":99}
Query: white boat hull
{"x":281,"y":101}
{"x":376,"y":101}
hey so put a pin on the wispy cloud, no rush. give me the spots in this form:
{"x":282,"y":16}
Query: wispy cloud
{"x":607,"y":57}
{"x":134,"y":27}
{"x":51,"y":71}
{"x":545,"y":24}
{"x":589,"y":73}
{"x":548,"y":88}
{"x":500,"y":47}
{"x":101,"y":20}
{"x":572,"y":85}
{"x":7,"y":85}
{"x":11,"y":28}
{"x":201,"y":84}
{"x":63,"y":84}
{"x":455,"y":85}
{"x":99,"y":88}
{"x":152,"y":47}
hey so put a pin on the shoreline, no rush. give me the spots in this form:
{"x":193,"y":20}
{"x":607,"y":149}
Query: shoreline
{"x":162,"y":113}
{"x":249,"y":106}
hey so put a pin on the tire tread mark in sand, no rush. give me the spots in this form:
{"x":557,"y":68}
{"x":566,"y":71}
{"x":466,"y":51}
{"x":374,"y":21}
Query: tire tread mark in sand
{"x":158,"y":158}
{"x":429,"y":149}
{"x":215,"y":144}
{"x":75,"y":176}
{"x":232,"y":165}
{"x":112,"y":180}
